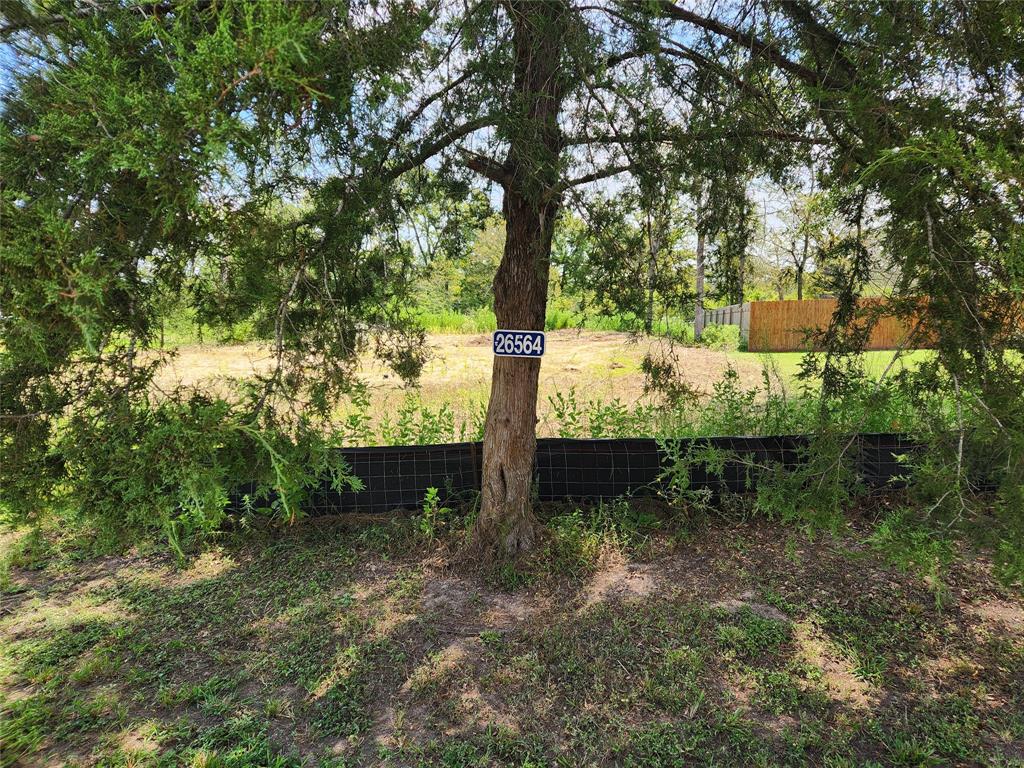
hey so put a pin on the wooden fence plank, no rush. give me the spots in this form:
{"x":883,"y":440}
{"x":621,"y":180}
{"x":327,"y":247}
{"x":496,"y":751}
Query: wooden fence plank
{"x":783,"y":326}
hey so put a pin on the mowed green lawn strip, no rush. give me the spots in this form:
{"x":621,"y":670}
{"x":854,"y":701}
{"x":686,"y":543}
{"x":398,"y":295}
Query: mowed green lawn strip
{"x":788,"y":364}
{"x":618,"y":644}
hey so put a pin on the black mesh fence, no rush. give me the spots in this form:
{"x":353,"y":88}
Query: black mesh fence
{"x":590,"y":470}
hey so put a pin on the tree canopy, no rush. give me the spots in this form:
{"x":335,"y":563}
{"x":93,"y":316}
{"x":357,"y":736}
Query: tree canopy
{"x":274,"y":157}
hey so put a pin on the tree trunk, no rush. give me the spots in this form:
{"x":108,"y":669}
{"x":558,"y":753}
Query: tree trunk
{"x":741,"y":270}
{"x":653,"y":243}
{"x":800,"y":267}
{"x":506,"y":525}
{"x":698,"y":320}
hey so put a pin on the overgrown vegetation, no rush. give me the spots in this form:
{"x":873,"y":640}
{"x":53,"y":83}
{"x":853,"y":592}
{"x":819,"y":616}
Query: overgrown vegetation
{"x":819,"y":496}
{"x":304,"y":174}
{"x":324,"y":178}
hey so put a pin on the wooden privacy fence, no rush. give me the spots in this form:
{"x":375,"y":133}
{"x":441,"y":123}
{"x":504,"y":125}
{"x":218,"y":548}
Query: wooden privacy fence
{"x":783,"y":326}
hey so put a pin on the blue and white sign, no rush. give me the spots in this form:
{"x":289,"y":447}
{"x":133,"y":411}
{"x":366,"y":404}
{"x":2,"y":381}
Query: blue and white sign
{"x":519,"y":343}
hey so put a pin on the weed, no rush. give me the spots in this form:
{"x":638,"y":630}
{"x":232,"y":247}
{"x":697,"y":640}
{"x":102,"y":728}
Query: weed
{"x":577,"y":539}
{"x":913,"y":546}
{"x":674,"y":685}
{"x":276,"y":706}
{"x":98,"y":665}
{"x":751,"y":635}
{"x":721,"y":337}
{"x":492,"y":640}
{"x":433,"y":517}
{"x":511,"y":575}
{"x":573,"y":546}
{"x":23,"y":726}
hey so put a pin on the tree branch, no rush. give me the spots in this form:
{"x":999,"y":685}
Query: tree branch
{"x":486,"y":167}
{"x":757,"y":47}
{"x":677,"y":135}
{"x":603,"y":173}
{"x":432,"y":148}
{"x":159,"y":7}
{"x":820,"y":36}
{"x":406,"y":122}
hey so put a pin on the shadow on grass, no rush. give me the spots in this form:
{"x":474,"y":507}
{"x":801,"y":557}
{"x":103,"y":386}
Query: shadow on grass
{"x":331,"y":647}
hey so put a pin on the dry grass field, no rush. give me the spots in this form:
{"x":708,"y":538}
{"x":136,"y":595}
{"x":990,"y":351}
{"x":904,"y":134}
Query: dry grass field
{"x":596,"y":364}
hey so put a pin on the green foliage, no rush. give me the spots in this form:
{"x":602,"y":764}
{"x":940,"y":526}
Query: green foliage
{"x":597,"y":418}
{"x":731,"y":409}
{"x":433,"y":517}
{"x":563,"y":315}
{"x":728,"y":267}
{"x":725,"y":337}
{"x":172,"y":468}
{"x":623,"y":257}
{"x":260,"y":170}
{"x":817,"y":495}
{"x":574,"y":546}
{"x":578,"y":538}
{"x":751,"y":636}
{"x":23,"y":727}
{"x":417,"y":424}
{"x":820,"y":491}
{"x":450,"y":321}
{"x":459,"y":256}
{"x":915,"y":545}
{"x":146,"y":168}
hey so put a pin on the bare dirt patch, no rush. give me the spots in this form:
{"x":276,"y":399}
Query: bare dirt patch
{"x":747,"y":600}
{"x":840,"y":682}
{"x":596,"y":364}
{"x":1000,"y":616}
{"x":620,"y":580}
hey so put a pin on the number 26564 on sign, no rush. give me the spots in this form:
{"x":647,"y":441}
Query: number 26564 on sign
{"x":519,"y":343}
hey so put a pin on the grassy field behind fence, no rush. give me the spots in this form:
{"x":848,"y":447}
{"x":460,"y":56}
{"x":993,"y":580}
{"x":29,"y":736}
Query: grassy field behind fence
{"x":593,"y":371}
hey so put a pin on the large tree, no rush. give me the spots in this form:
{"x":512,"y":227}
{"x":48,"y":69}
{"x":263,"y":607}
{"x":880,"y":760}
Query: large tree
{"x":145,"y":141}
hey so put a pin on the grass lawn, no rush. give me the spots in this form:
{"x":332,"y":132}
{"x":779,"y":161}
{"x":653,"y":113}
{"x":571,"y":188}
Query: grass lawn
{"x":333,"y":644}
{"x":788,"y":363}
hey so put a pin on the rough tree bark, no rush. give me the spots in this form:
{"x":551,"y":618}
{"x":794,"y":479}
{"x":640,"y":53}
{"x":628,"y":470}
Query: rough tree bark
{"x":506,"y":525}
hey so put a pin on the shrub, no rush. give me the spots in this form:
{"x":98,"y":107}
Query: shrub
{"x":723,"y":337}
{"x":186,"y":467}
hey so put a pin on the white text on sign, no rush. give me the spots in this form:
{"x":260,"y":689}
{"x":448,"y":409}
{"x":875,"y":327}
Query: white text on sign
{"x":519,"y":343}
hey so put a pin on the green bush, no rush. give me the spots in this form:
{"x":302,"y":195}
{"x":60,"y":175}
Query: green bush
{"x":176,"y":467}
{"x":723,"y":337}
